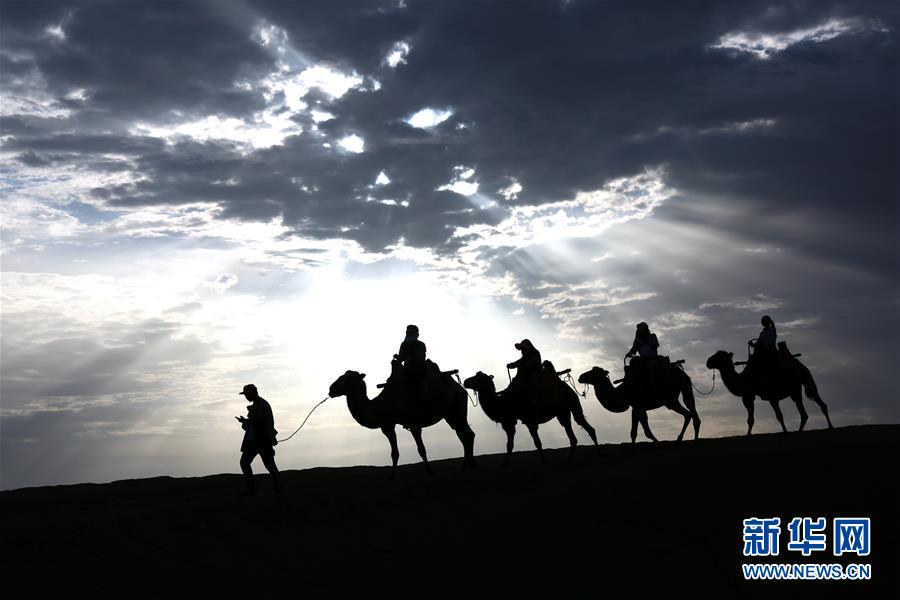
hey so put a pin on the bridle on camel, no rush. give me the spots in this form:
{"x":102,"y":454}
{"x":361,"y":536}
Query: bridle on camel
{"x":459,"y":381}
{"x":568,"y":379}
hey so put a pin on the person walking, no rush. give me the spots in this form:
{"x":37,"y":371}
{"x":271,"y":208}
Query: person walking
{"x":259,"y":438}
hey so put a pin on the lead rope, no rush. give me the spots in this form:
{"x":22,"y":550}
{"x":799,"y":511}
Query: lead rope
{"x":508,"y":374}
{"x":304,"y":421}
{"x":571,"y":382}
{"x":474,"y":402}
{"x":710,"y":389}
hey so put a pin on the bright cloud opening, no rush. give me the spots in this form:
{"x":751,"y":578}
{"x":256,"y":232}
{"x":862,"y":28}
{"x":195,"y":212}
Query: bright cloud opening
{"x":429,"y":117}
{"x":766,"y":45}
{"x":511,"y":192}
{"x":588,"y":214}
{"x":56,"y":33}
{"x":462,"y":182}
{"x":352,"y":143}
{"x":320,"y":116}
{"x":397,"y":55}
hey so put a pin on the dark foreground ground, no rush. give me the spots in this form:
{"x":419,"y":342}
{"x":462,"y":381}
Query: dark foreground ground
{"x":660,"y":520}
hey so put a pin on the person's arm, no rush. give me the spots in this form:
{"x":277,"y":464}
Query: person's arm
{"x":515,"y":364}
{"x":654,"y":342}
{"x":634,"y":346}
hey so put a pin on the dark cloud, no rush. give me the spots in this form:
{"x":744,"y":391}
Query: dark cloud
{"x":561,"y":97}
{"x":140,"y":60}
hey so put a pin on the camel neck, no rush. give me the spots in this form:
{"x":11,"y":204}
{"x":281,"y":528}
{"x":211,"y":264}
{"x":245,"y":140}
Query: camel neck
{"x":732,"y":379}
{"x":362,"y":409}
{"x":490,"y":403}
{"x":611,"y":398}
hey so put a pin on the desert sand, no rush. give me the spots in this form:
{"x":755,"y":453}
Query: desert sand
{"x":649,"y":520}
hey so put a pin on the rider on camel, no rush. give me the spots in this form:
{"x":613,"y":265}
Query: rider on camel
{"x":646,"y":347}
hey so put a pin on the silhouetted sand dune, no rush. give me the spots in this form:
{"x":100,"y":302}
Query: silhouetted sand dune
{"x":662,"y":519}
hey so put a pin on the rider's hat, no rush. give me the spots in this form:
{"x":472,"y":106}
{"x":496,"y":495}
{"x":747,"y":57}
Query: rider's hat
{"x":526,"y":343}
{"x":248,"y":388}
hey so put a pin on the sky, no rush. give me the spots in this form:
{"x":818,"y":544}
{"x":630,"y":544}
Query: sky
{"x":200,"y":195}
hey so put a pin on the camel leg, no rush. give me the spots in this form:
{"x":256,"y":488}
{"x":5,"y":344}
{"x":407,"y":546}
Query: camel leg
{"x":460,"y":425}
{"x":467,"y":437}
{"x":797,"y":397}
{"x":748,"y":404}
{"x":578,"y":415}
{"x":510,"y":429}
{"x":812,"y":392}
{"x":814,"y":396}
{"x":778,"y":414}
{"x":687,"y":395}
{"x":634,"y":424}
{"x":533,"y":430}
{"x":420,"y":445}
{"x":645,"y":424}
{"x":686,"y":414}
{"x":565,"y":420}
{"x":391,"y":435}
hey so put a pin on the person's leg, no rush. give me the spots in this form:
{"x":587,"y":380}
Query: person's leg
{"x":268,"y":459}
{"x":247,"y":470}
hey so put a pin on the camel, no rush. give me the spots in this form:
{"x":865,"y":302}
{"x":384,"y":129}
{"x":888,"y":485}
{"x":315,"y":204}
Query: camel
{"x":791,"y":381}
{"x":620,"y":398}
{"x":554,"y":400}
{"x":398,"y":404}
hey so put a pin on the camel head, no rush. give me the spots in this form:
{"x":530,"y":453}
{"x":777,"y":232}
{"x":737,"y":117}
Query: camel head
{"x":595,"y":375}
{"x":347,"y":382}
{"x":480,"y":382}
{"x":720,"y":359}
